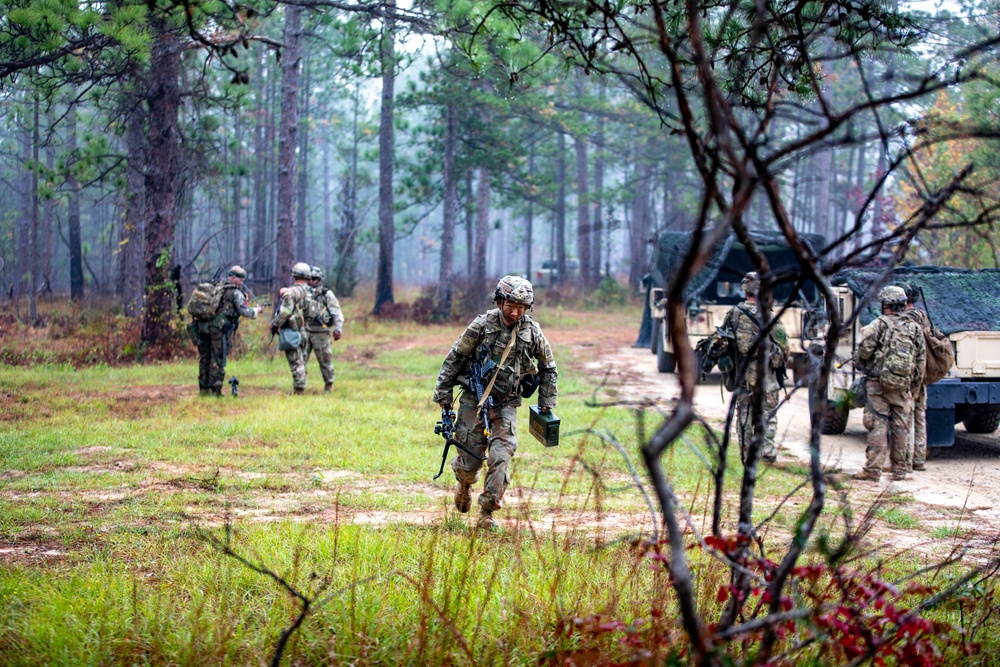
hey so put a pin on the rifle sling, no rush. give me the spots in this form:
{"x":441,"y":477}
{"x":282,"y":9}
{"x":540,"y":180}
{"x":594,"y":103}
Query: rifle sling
{"x":503,"y":358}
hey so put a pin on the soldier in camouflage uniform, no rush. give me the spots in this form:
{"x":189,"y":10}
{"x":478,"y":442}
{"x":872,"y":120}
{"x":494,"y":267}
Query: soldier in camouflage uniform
{"x":745,"y":323}
{"x":213,"y":336}
{"x":322,"y":314}
{"x":890,"y":341}
{"x":916,"y":451}
{"x":512,"y":337}
{"x":290,"y":316}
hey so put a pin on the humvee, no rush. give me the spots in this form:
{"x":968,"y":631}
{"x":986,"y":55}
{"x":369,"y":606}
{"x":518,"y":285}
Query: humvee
{"x":716,"y":289}
{"x":963,"y":304}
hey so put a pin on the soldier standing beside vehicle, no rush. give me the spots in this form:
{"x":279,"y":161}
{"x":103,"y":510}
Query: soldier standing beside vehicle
{"x":214,"y":333}
{"x":916,"y":451}
{"x":322,"y":314}
{"x":744,"y":321}
{"x":290,"y":317}
{"x":891,"y":354}
{"x":514,"y":342}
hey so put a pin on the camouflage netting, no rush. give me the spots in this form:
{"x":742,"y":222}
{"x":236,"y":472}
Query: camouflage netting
{"x":957,"y":299}
{"x":729,"y":263}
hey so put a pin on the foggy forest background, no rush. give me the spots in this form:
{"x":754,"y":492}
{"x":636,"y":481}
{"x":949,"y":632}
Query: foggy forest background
{"x":147,"y":145}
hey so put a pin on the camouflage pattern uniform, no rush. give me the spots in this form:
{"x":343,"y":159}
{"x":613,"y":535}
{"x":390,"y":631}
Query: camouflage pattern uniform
{"x":324,"y":315}
{"x":887,"y":412}
{"x":215,"y":335}
{"x":916,"y":451}
{"x":290,"y":316}
{"x":744,"y":322}
{"x":530,"y":346}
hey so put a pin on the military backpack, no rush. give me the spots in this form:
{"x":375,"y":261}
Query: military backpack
{"x":205,"y":300}
{"x":899,"y":356}
{"x":940,"y":356}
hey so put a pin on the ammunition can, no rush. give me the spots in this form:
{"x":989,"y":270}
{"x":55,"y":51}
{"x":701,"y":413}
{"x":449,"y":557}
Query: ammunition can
{"x":544,"y":426}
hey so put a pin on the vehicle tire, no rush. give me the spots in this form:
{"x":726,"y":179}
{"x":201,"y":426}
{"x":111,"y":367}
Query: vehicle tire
{"x":983,"y":422}
{"x":654,"y":344}
{"x":835,"y":419}
{"x":665,"y":362}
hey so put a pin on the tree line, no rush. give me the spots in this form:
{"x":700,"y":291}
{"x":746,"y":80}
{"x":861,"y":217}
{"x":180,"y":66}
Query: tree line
{"x":149,"y":144}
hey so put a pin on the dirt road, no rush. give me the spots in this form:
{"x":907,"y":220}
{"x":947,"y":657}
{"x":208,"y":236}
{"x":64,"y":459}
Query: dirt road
{"x":966,"y":475}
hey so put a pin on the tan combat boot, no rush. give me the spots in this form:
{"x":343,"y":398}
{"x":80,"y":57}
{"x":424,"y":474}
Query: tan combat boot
{"x":463,"y":499}
{"x":486,"y":521}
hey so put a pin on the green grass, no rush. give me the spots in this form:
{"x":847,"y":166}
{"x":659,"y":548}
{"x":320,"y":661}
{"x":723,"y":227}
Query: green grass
{"x":111,"y":477}
{"x":896,"y":517}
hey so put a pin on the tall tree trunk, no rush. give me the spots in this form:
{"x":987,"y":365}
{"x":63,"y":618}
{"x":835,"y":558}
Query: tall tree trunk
{"x":386,"y":216}
{"x":301,"y":244}
{"x":236,"y":231}
{"x":287,"y":137}
{"x":34,"y":223}
{"x":21,"y":269}
{"x":73,"y":213}
{"x":133,"y":231}
{"x":346,"y":277}
{"x":48,"y":212}
{"x":261,"y":155}
{"x":450,"y":209}
{"x":163,"y":171}
{"x":470,"y":222}
{"x":327,"y":213}
{"x":598,"y":203}
{"x":582,"y":212}
{"x":482,"y":229}
{"x":561,"y":206}
{"x":530,"y":221}
{"x":640,"y":223}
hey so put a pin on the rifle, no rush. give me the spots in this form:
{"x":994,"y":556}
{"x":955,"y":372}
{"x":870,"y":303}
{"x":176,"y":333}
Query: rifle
{"x":445,"y":428}
{"x":482,"y":364}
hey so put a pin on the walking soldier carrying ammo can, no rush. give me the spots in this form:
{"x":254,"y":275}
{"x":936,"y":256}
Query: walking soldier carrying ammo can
{"x":494,"y":362}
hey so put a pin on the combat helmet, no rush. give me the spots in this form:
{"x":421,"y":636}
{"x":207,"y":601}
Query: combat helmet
{"x":892,"y":295}
{"x":316,"y":273}
{"x":750,"y":284}
{"x":912,"y":292}
{"x":301,"y":270}
{"x":515,"y":289}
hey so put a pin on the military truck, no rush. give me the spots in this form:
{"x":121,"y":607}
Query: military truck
{"x":716,"y":289}
{"x":963,"y":304}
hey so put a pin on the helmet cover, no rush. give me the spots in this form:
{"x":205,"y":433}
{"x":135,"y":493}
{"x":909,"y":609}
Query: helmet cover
{"x":316,"y":273}
{"x":515,"y":289}
{"x":892,"y":295}
{"x":301,"y":270}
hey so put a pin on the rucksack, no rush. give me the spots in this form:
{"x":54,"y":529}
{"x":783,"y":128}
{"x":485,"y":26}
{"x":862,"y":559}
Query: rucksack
{"x":205,"y":301}
{"x":899,"y":353}
{"x":315,"y":306}
{"x":940,"y":356}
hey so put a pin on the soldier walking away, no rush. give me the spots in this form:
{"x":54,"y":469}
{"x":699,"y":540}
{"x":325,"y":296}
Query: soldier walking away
{"x":891,"y":354}
{"x":916,"y":451}
{"x":323,"y":315}
{"x":744,"y":321}
{"x":215,"y":310}
{"x":507,"y":337}
{"x":290,"y":318}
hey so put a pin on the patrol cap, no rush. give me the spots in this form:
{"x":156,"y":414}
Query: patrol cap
{"x":892,"y":295}
{"x":237,"y":271}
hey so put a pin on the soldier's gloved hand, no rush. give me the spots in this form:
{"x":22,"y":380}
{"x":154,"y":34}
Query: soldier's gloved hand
{"x":274,"y":329}
{"x":336,"y":335}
